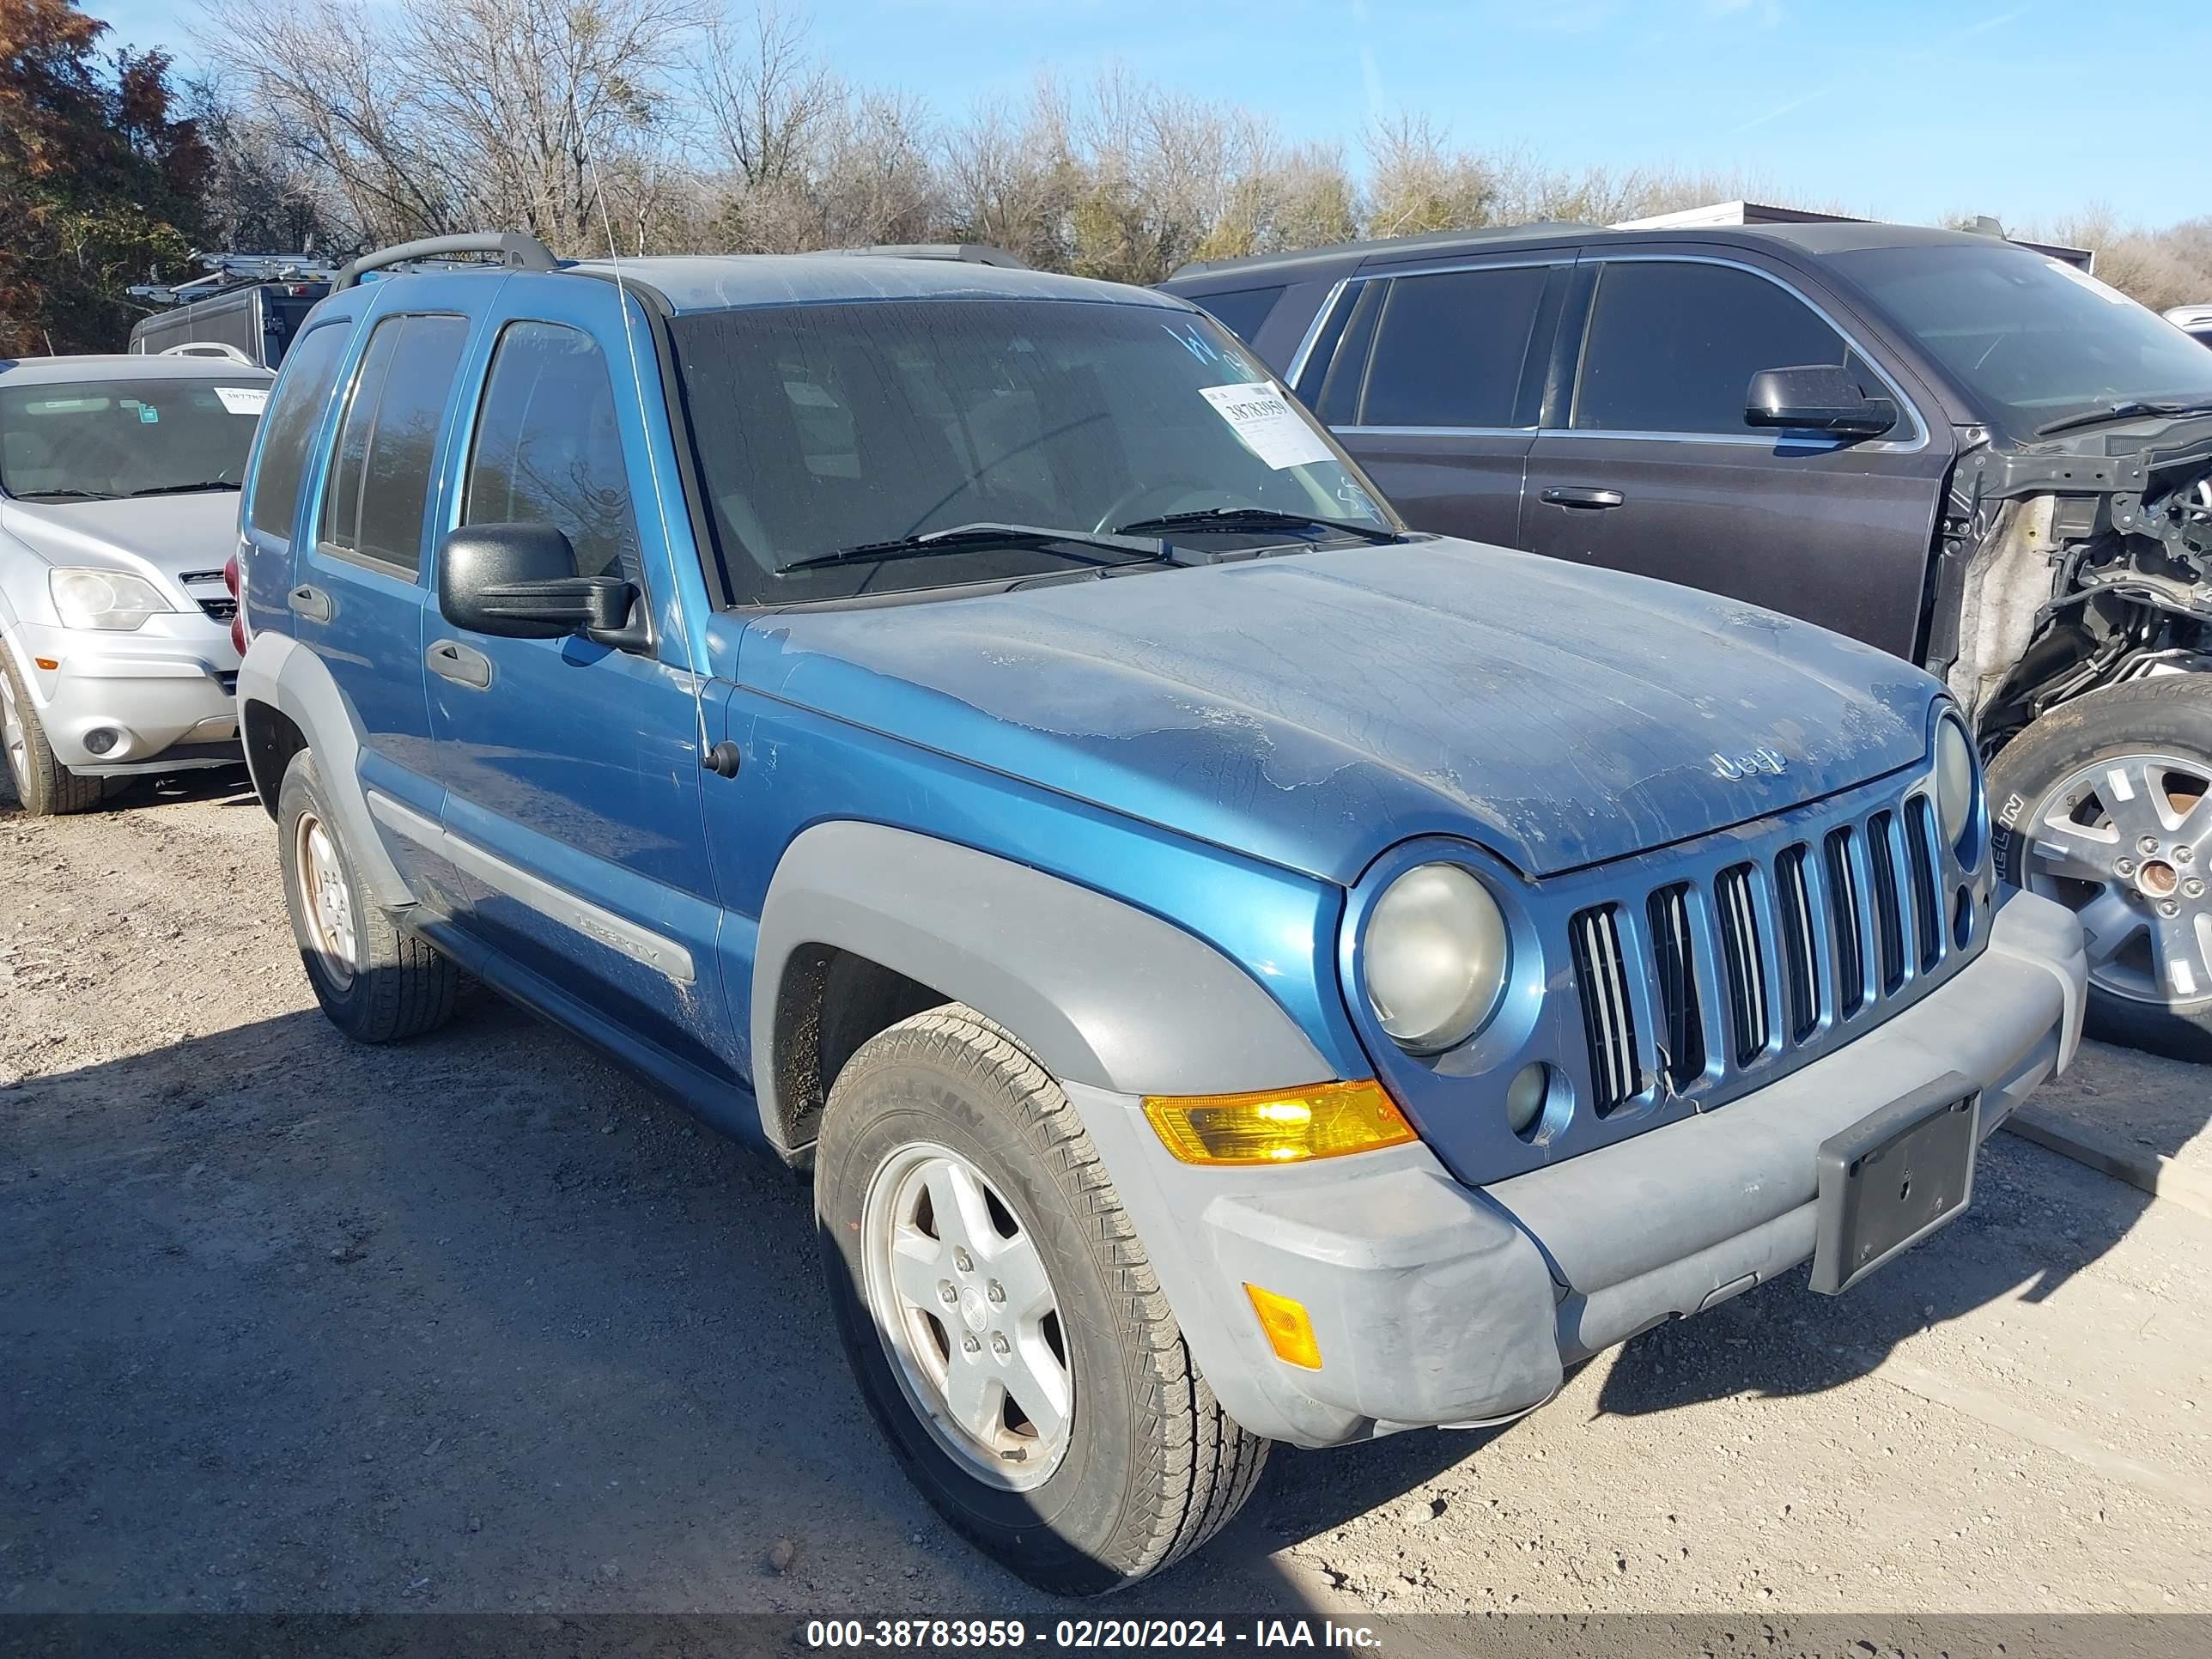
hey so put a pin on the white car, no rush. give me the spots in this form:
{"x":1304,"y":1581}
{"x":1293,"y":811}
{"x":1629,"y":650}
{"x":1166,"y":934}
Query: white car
{"x":2195,"y":321}
{"x":119,"y":513}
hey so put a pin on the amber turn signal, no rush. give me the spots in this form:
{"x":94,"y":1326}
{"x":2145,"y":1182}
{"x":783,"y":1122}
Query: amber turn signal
{"x":1290,"y":1331}
{"x":1282,"y":1125}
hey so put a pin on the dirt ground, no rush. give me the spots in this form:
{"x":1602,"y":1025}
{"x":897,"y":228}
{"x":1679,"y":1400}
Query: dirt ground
{"x":476,"y":1324}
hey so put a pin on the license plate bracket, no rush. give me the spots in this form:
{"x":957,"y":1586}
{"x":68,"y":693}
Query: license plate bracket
{"x":1893,"y":1178}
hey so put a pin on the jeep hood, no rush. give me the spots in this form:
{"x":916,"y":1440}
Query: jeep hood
{"x":1313,"y":709}
{"x":164,"y":536}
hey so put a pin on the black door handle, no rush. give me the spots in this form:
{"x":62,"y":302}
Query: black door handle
{"x":449,"y":659}
{"x":1582,"y":496}
{"x":310,"y":602}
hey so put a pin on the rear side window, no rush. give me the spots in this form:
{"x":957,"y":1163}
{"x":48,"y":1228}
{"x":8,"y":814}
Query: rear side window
{"x":290,"y":426}
{"x":1449,"y":349}
{"x":549,"y":447}
{"x":380,"y":481}
{"x":1241,"y":312}
{"x":1672,"y":347}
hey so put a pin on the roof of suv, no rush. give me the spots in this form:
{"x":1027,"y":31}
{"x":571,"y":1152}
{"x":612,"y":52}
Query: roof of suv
{"x":1840,"y":237}
{"x":720,"y":282}
{"x":120,"y":365}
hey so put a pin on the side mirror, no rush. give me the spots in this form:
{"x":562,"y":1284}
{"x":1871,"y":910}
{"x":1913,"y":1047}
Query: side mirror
{"x":1819,"y":398}
{"x":518,"y":581}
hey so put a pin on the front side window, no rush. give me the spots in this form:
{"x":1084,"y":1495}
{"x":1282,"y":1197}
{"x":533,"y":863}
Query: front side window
{"x":1242,"y":311}
{"x":2032,"y":338}
{"x":1672,"y":346}
{"x":295,"y":412}
{"x":105,"y":439}
{"x":1449,"y":349}
{"x":549,"y":447}
{"x":380,"y":470}
{"x":835,"y":428}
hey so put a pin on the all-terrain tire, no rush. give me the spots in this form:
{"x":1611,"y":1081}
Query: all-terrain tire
{"x":396,"y":985}
{"x":2171,"y":715}
{"x":1153,"y":1467}
{"x":43,"y":786}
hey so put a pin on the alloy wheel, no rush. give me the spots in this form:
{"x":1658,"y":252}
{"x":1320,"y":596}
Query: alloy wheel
{"x":326,"y":898}
{"x":15,"y":739}
{"x":2125,"y":843}
{"x":961,"y":1295}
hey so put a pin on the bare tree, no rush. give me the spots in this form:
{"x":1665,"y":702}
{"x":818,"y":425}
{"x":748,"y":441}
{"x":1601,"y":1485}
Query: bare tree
{"x":1416,"y":182}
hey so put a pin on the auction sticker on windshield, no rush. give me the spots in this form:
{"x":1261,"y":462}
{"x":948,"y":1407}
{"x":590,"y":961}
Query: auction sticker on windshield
{"x":1268,"y":425}
{"x":243,"y":399}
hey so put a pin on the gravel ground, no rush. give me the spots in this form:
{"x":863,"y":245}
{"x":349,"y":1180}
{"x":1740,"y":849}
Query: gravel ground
{"x":476,"y":1324}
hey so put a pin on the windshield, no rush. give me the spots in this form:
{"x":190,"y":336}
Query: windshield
{"x":98,"y":439}
{"x":844,"y":426}
{"x":2031,"y":337}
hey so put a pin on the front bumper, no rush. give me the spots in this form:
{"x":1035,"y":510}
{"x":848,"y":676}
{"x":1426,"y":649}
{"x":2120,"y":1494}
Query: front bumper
{"x":169,"y":697}
{"x":1438,"y":1303}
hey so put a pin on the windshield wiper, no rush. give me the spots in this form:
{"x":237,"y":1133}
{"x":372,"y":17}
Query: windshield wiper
{"x":64,"y":495}
{"x":182,"y":489}
{"x":968,"y":538}
{"x":1254,"y":518}
{"x":2126,"y":411}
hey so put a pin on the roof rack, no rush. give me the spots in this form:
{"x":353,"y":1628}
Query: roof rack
{"x":518,"y":251}
{"x":225,"y":273}
{"x":973,"y":253}
{"x":1426,"y":239}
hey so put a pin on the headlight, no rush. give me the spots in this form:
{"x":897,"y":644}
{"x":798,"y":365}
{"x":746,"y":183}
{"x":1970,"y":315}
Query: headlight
{"x":1955,"y":781}
{"x":1435,"y":957}
{"x":114,"y":600}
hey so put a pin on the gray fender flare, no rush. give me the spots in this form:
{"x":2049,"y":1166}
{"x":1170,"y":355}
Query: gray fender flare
{"x":1100,"y":993}
{"x":283,"y":675}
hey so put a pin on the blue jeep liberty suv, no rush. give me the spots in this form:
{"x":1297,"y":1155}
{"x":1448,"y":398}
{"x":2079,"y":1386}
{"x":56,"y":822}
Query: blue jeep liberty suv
{"x":1236,"y":969}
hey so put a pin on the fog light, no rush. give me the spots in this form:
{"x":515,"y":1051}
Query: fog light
{"x":1525,"y":1095}
{"x":1290,"y":1331}
{"x":102,"y":738}
{"x":1284,"y":1126}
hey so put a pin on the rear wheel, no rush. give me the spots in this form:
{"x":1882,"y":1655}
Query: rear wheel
{"x":2105,"y":805}
{"x":1003,"y":1320}
{"x":376,"y":983}
{"x":43,"y":785}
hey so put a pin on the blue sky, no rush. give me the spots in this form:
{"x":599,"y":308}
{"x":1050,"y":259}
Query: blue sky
{"x":2028,"y":109}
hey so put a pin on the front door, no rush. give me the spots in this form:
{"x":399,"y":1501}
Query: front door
{"x":572,"y":769}
{"x":1434,"y":386}
{"x":1650,"y":466}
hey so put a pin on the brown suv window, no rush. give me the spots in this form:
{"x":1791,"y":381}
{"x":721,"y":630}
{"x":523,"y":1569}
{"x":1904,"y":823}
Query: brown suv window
{"x":1673,"y":345}
{"x":1449,"y":348}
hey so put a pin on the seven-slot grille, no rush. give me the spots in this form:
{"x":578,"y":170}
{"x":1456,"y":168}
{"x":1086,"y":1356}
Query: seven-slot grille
{"x":1756,"y":963}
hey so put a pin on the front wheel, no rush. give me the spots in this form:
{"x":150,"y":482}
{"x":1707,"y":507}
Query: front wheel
{"x":43,"y":786}
{"x":2105,"y":804}
{"x":1003,"y":1320}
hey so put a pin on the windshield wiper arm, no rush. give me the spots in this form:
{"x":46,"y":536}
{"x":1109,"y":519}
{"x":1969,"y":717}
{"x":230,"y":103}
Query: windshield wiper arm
{"x":65,"y":495}
{"x":183,"y":488}
{"x":2127,"y":411}
{"x":968,"y":538}
{"x":1255,"y":518}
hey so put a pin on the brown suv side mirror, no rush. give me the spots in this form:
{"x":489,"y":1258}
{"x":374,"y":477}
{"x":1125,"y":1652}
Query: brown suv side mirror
{"x":518,"y":581}
{"x":1818,"y":398}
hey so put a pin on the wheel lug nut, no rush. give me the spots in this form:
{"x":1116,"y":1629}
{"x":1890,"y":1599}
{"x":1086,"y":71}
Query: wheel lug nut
{"x":998,"y":1345}
{"x":2184,"y":854}
{"x":945,"y":1292}
{"x":2147,"y":846}
{"x":969,"y":1344}
{"x":2125,"y":867}
{"x":2193,"y":887}
{"x":997,"y":1291}
{"x":962,"y":1259}
{"x":2169,"y":909}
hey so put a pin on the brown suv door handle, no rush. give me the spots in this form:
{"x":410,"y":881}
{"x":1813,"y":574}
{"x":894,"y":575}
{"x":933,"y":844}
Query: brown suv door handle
{"x":1582,"y":496}
{"x":449,"y":659}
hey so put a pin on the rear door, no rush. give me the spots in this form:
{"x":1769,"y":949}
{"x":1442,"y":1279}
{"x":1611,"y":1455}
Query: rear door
{"x":359,"y":575}
{"x":1435,"y":385}
{"x":1646,"y":463}
{"x":571,"y":769}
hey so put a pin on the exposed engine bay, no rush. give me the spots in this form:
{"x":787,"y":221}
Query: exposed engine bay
{"x":2062,"y":570}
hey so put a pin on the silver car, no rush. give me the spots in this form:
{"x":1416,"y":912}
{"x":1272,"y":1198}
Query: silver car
{"x":119,"y":511}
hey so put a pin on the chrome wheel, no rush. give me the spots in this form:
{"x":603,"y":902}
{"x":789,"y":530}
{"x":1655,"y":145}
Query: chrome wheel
{"x":324,"y":898}
{"x":16,"y":740}
{"x":958,"y":1289}
{"x":2125,"y":843}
